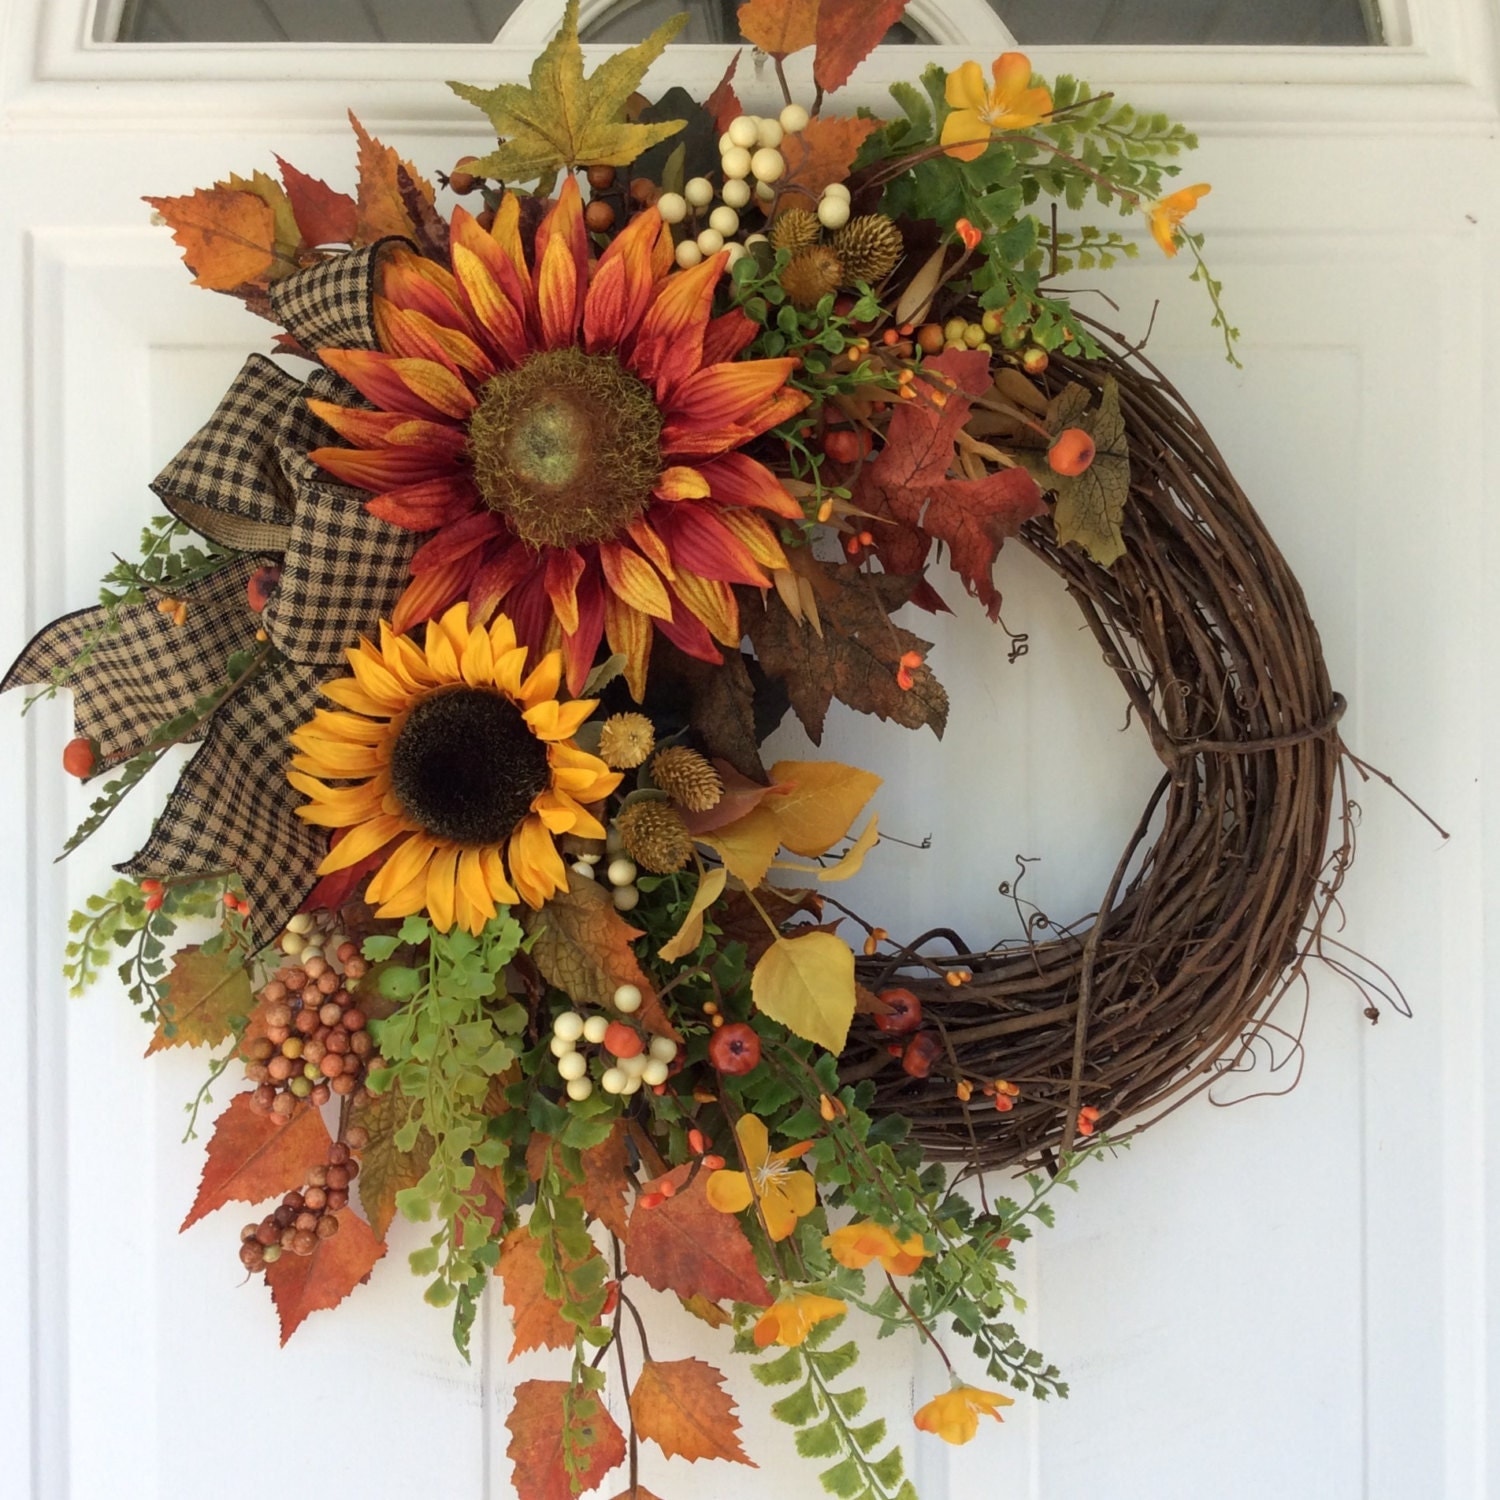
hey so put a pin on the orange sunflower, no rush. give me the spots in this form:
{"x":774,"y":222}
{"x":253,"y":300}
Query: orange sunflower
{"x":570,"y":430}
{"x":459,"y":766}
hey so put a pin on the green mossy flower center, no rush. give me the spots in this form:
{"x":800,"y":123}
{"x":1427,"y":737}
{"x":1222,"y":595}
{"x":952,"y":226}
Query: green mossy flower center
{"x":566,"y":447}
{"x":465,"y":766}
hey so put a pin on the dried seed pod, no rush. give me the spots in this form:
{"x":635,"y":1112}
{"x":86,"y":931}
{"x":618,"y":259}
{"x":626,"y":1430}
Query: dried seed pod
{"x":655,"y":836}
{"x":869,"y":247}
{"x":795,"y":229}
{"x":811,"y":275}
{"x":687,"y":777}
{"x":625,"y":740}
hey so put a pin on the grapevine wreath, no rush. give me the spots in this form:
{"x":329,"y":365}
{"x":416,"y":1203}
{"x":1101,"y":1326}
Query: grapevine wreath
{"x":479,"y":602}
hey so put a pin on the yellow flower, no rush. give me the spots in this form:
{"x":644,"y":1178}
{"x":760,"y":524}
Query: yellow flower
{"x":1167,"y":213}
{"x":457,"y":766}
{"x":789,"y":1320}
{"x":978,"y":112}
{"x":785,"y":1193}
{"x":954,"y":1416}
{"x":857,"y":1244}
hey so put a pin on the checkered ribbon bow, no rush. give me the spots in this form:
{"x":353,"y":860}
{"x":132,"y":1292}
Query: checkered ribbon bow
{"x":245,"y":482}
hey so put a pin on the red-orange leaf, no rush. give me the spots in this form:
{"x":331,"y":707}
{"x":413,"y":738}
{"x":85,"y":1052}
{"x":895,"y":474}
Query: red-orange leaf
{"x":536,"y":1425}
{"x":382,"y":208}
{"x":779,"y":27}
{"x":254,"y":1156}
{"x":687,"y":1246}
{"x":606,"y":1179}
{"x":908,"y":484}
{"x":682,"y":1406}
{"x":324,"y":216}
{"x":302,"y":1284}
{"x":536,"y":1319}
{"x":823,"y":153}
{"x":848,"y":32}
{"x":724,"y":104}
{"x":228,"y":238}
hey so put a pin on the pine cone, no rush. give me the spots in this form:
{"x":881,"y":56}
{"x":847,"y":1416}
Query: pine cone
{"x":810,"y":275}
{"x":687,"y":778}
{"x":795,"y":229}
{"x":869,"y":247}
{"x":654,"y":836}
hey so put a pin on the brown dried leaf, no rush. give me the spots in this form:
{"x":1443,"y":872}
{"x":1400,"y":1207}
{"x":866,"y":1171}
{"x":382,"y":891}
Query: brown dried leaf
{"x":606,"y":1176}
{"x":857,"y":656}
{"x":385,"y":1170}
{"x":582,"y":945}
{"x":205,"y":994}
{"x":681,"y":1406}
{"x":822,"y":153}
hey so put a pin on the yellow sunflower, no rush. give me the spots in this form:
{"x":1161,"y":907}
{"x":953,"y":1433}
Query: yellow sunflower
{"x":457,"y":766}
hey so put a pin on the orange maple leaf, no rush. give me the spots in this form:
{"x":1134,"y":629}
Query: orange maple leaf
{"x":779,"y":27}
{"x":384,"y":208}
{"x":254,"y":1156}
{"x":228,"y":237}
{"x":536,"y":1319}
{"x":303,"y":1284}
{"x":536,"y":1446}
{"x":848,"y":32}
{"x":682,"y":1406}
{"x":687,"y":1246}
{"x":822,"y":153}
{"x":325,"y":216}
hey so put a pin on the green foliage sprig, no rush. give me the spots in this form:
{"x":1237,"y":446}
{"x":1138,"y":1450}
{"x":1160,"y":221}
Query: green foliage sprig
{"x":452,"y":1035}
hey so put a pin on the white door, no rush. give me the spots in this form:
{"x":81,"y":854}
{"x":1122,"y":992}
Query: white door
{"x":1287,"y":1298}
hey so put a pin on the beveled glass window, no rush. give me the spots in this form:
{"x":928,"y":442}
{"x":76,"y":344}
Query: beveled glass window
{"x":1032,"y":23}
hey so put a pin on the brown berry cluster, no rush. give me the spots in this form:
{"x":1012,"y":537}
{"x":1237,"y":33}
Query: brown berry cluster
{"x":315,"y":1043}
{"x":304,"y":1219}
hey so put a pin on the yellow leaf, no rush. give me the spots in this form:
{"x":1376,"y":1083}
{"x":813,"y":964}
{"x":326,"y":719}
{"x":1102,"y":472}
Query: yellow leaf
{"x":288,"y":238}
{"x":748,"y":845}
{"x":564,"y":119}
{"x":779,"y":27}
{"x":821,"y":800}
{"x":690,"y":934}
{"x":807,"y":983}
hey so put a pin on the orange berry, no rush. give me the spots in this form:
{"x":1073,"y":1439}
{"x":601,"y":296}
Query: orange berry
{"x":713,"y":1163}
{"x":668,"y":1188}
{"x":153,"y":901}
{"x":846,"y":446}
{"x":1035,"y":360}
{"x":696,"y":1143}
{"x":151,"y":887}
{"x":260,"y":585}
{"x":1072,"y":451}
{"x":623,"y":1040}
{"x":930,"y":338}
{"x":461,"y":181}
{"x":79,"y":757}
{"x":599,"y":216}
{"x":651,"y":1200}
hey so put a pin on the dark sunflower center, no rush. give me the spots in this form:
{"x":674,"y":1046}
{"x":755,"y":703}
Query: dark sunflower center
{"x":566,"y":447}
{"x":465,"y":766}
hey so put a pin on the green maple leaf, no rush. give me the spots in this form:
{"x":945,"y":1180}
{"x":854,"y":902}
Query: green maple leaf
{"x":564,"y":119}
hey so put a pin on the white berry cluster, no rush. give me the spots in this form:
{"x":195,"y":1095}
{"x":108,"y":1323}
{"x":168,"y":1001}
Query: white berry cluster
{"x":749,"y":152}
{"x":620,"y":872}
{"x":631,"y":1064}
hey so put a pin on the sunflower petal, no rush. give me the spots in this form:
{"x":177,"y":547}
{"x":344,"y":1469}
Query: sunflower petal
{"x":634,"y":580}
{"x":628,"y":632}
{"x":713,"y":602}
{"x":757,"y":538}
{"x":457,"y":540}
{"x":536,"y":868}
{"x":432,"y":592}
{"x":499,"y":573}
{"x":407,"y":862}
{"x":641,"y":532}
{"x":475,"y":887}
{"x":699,"y":540}
{"x":362,"y":841}
{"x":551,"y":720}
{"x":500,"y":318}
{"x":544,"y":680}
{"x":727,"y":336}
{"x":722,"y":395}
{"x":564,"y":569}
{"x":737,"y":479}
{"x":493,"y":865}
{"x":670,"y":342}
{"x":428,"y":505}
{"x":382,"y":469}
{"x":478,"y":662}
{"x":681,"y":483}
{"x":401,"y":385}
{"x":440,"y":880}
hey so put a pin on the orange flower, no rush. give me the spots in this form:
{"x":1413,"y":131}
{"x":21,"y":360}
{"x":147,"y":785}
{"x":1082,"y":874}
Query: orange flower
{"x":570,"y":430}
{"x":789,"y":1320}
{"x":954,"y":1416}
{"x":1167,"y":213}
{"x":857,"y":1244}
{"x":785,"y":1193}
{"x":978,"y":112}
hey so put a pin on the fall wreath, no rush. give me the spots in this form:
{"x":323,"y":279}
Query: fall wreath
{"x":479,"y":602}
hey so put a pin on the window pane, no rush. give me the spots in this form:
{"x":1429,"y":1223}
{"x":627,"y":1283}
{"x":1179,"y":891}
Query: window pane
{"x":1033,"y":22}
{"x":1204,"y":23}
